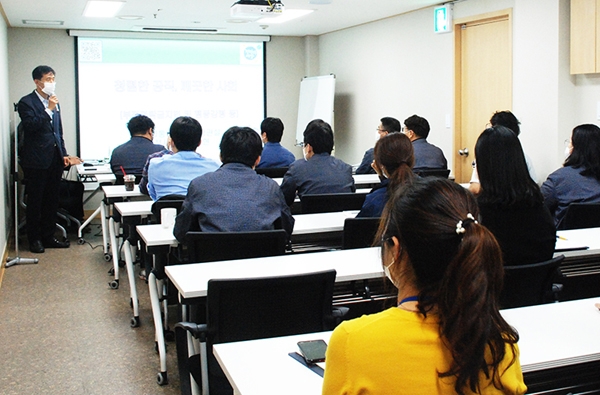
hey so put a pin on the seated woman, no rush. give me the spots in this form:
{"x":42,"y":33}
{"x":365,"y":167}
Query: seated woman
{"x":446,"y":335}
{"x":393,"y":162}
{"x":510,"y":202}
{"x":578,"y":181}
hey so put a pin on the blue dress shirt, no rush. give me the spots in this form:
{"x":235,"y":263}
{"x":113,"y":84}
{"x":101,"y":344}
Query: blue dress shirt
{"x":172,"y":174}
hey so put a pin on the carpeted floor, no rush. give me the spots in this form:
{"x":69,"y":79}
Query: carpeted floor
{"x":64,"y":331}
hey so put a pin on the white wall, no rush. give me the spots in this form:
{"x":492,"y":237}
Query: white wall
{"x":5,"y":139}
{"x":399,"y":67}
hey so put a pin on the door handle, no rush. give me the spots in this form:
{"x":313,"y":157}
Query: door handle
{"x":463,"y":152}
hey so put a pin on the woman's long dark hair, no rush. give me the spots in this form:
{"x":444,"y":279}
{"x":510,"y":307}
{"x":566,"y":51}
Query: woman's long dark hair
{"x":458,"y":273}
{"x":395,"y":153}
{"x":502,"y":169}
{"x":586,"y":150}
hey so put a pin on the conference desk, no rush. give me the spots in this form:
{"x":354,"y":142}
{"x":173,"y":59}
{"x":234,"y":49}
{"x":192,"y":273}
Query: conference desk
{"x":360,"y":180}
{"x":552,"y":335}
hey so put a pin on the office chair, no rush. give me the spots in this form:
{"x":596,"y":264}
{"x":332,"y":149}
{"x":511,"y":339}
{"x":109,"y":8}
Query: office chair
{"x":273,"y":172}
{"x":443,"y":173}
{"x":258,"y":308}
{"x":169,"y":201}
{"x":581,"y":215}
{"x":222,"y":246}
{"x":331,"y":202}
{"x":528,"y":285}
{"x":359,"y":232}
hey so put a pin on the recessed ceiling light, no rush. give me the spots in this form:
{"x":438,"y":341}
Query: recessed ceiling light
{"x":131,"y":17}
{"x":102,"y":9}
{"x":39,"y":22}
{"x":287,"y":15}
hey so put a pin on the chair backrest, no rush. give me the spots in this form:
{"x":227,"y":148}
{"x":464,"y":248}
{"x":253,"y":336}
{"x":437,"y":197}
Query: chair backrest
{"x":222,"y":246}
{"x":169,"y":201}
{"x":581,"y":215}
{"x":330,"y":202}
{"x":272,"y":172}
{"x":527,"y":285}
{"x":443,"y":173}
{"x":359,"y":232}
{"x":255,"y":308}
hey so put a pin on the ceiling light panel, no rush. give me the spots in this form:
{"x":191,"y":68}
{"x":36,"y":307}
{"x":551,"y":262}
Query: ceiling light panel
{"x":102,"y":9}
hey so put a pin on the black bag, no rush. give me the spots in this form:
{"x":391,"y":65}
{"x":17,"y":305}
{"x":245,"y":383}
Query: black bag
{"x":71,"y":198}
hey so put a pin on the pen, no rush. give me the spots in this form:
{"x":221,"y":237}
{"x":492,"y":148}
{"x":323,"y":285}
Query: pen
{"x":561,"y":238}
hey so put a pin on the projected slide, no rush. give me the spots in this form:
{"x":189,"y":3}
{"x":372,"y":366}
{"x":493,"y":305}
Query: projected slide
{"x":221,"y":84}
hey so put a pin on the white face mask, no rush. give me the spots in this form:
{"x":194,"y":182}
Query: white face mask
{"x":568,"y":150}
{"x":386,"y":270}
{"x":49,"y":88}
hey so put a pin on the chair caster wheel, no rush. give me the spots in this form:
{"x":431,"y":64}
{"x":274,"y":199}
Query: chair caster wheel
{"x":162,"y":378}
{"x":114,"y":284}
{"x":107,"y":257}
{"x":135,"y":322}
{"x":81,"y":241}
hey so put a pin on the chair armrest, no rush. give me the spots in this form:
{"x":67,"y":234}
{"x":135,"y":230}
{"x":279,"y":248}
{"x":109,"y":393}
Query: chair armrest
{"x":199,"y":331}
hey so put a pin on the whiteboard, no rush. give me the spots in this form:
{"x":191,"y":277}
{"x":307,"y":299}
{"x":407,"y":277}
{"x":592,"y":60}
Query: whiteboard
{"x":316,"y":102}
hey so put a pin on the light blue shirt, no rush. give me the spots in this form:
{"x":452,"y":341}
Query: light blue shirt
{"x":172,"y":174}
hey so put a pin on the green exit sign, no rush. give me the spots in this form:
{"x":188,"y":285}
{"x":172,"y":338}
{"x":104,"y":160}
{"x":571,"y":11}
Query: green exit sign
{"x":442,"y":17}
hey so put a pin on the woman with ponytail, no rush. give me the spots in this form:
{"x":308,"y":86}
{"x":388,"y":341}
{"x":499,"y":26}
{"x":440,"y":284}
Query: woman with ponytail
{"x":393,"y":162}
{"x":445,"y":335}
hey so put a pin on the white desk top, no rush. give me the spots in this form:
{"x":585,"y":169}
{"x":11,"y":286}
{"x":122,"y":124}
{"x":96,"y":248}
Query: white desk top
{"x":263,"y":367}
{"x":551,"y":335}
{"x":557,"y":334}
{"x":130,"y":209}
{"x":156,"y":235}
{"x":191,"y":280}
{"x":93,"y":170}
{"x":115,"y":191}
{"x":359,"y":179}
{"x":575,"y":238}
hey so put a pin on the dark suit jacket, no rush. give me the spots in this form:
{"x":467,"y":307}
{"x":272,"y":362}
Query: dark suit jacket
{"x":41,"y":134}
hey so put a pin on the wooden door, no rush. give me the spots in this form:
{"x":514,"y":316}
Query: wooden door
{"x":483,"y":81}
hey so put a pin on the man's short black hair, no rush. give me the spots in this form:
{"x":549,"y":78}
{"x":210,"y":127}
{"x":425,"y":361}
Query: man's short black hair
{"x":319,"y":135}
{"x":139,"y":124}
{"x":506,"y":119}
{"x":273,"y":127}
{"x":240,"y":145}
{"x":417,"y":124}
{"x":186,"y":133}
{"x":40,"y":71}
{"x":390,"y":125}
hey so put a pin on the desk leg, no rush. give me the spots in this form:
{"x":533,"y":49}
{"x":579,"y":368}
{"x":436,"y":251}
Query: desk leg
{"x":158,"y":329}
{"x":112,"y":226}
{"x":86,"y":223}
{"x":104,"y":230}
{"x":128,"y":250}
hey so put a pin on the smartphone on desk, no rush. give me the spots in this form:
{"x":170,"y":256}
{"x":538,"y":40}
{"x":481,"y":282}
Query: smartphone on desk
{"x":313,"y":351}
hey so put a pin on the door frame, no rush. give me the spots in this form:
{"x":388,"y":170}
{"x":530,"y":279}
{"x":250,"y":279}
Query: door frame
{"x":480,"y":18}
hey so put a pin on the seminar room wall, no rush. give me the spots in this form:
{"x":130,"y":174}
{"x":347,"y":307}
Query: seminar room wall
{"x":399,"y":67}
{"x":5,"y":141}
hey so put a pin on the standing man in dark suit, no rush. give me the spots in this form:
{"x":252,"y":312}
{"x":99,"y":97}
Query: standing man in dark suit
{"x":43,"y":157}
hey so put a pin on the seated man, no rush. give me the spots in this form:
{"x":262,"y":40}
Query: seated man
{"x":386,"y":126}
{"x":172,"y":174}
{"x":132,"y":155}
{"x":427,"y":156}
{"x":318,"y":172}
{"x":144,"y":181}
{"x":234,"y":198}
{"x":274,"y":154}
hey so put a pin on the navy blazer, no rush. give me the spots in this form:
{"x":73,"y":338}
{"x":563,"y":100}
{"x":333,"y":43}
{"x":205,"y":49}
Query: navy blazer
{"x":41,"y":133}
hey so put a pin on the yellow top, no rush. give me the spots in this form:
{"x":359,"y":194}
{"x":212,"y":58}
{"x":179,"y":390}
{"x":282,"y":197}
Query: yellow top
{"x":399,"y":352}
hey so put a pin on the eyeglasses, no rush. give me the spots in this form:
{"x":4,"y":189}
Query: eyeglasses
{"x":567,"y":142}
{"x":381,"y":130}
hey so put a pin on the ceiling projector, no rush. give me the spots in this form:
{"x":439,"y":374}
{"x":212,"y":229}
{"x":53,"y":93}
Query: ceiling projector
{"x":256,"y":9}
